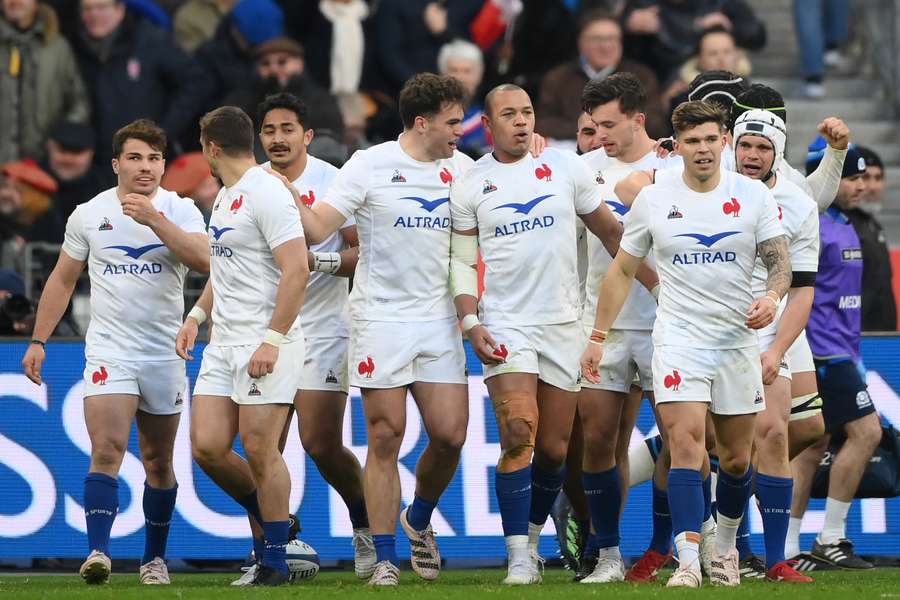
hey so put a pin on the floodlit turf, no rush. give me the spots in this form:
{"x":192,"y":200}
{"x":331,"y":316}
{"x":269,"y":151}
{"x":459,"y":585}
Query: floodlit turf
{"x":468,"y":585}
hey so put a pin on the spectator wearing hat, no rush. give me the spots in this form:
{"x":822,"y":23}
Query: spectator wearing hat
{"x":133,"y":70}
{"x":280,"y":68}
{"x":70,"y":161}
{"x":196,"y":21}
{"x":39,"y":82}
{"x":230,"y":55}
{"x":599,"y":55}
{"x":833,"y":331}
{"x":879,"y":309}
{"x":189,"y":177}
{"x":27,"y":213}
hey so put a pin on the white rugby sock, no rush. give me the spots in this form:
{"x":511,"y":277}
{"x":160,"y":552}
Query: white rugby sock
{"x":835,"y":521}
{"x":792,"y":541}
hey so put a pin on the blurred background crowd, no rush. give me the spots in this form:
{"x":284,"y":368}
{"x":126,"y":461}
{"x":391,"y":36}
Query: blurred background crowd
{"x":74,"y":71}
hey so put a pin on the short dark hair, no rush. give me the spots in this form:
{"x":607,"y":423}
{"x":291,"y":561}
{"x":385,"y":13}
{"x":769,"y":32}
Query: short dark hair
{"x":426,"y":94}
{"x":230,"y":128}
{"x":142,"y":129}
{"x":489,"y":97}
{"x":590,"y":17}
{"x":624,"y":87}
{"x":286,"y":101}
{"x":710,"y":31}
{"x":694,"y":113}
{"x":759,"y":96}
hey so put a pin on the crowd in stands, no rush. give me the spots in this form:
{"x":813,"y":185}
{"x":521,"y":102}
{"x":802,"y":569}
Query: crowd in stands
{"x":75,"y":71}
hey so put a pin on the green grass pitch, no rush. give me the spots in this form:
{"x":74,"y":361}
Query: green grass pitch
{"x":461,"y":584}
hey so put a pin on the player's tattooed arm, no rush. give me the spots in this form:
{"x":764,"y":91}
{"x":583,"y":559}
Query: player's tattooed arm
{"x":774,"y":254}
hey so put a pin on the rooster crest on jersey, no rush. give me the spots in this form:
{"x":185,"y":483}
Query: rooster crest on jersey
{"x":446,"y":176}
{"x":543,"y":172}
{"x":732,"y":207}
{"x":99,"y":377}
{"x":308,"y":199}
{"x":236,"y":204}
{"x":672,"y":381}
{"x":366,"y":367}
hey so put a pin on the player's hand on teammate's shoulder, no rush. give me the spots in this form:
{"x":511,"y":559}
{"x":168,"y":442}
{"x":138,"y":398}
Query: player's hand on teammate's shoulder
{"x":538,"y":144}
{"x":32,"y":361}
{"x":590,"y":362}
{"x":771,"y":363}
{"x":835,"y":132}
{"x":761,"y":312}
{"x":263,"y":361}
{"x":485,"y":347}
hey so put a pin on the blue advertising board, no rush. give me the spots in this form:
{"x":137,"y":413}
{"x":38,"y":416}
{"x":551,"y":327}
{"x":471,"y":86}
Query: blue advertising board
{"x":44,"y":455}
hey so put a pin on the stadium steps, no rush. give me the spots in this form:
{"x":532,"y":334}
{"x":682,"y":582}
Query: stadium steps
{"x":858,"y":98}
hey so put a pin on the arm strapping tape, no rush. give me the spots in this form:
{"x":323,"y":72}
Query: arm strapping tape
{"x":463,"y":254}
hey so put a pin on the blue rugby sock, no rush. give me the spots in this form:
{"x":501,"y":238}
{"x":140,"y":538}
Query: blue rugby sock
{"x":419,"y":513}
{"x":101,"y":503}
{"x":545,"y":486}
{"x":743,"y":534}
{"x":685,"y":500}
{"x":514,"y":497}
{"x":386,"y":548}
{"x":276,"y":534}
{"x":774,"y":494}
{"x":159,"y":504}
{"x":604,"y":496}
{"x":662,"y":522}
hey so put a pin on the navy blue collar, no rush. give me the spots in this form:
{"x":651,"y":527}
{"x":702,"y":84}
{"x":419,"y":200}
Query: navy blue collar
{"x":837,"y":215}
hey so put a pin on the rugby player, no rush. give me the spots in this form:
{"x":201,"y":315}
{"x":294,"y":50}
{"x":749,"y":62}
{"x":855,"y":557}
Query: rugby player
{"x":404,"y":335}
{"x":759,"y":141}
{"x":139,"y":241}
{"x":705,"y":245}
{"x":521,"y":211}
{"x":251,"y":369}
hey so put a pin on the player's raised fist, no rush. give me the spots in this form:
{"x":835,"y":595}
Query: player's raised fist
{"x":835,"y":132}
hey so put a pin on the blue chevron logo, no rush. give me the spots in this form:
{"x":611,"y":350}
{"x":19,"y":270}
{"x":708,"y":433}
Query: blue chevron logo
{"x":617,"y":207}
{"x":428,"y":205}
{"x":217,"y":232}
{"x":708,"y":240}
{"x":135,"y":253}
{"x":525,"y":208}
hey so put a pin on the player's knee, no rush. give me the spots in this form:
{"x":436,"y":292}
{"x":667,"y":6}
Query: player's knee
{"x":734,"y":461}
{"x":772,"y":439}
{"x":320,"y":445}
{"x":599,"y":446}
{"x":257,"y":447}
{"x":686,"y":444}
{"x":868,"y":433}
{"x":157,"y":467}
{"x":806,"y":432}
{"x":107,"y":453}
{"x":206,"y":451}
{"x":385,"y":438}
{"x":449,"y":441}
{"x":519,"y":445}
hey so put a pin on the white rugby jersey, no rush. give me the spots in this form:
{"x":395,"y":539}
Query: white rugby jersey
{"x":525,"y":213}
{"x":403,"y":220}
{"x":799,"y":218}
{"x":137,"y":283}
{"x":324,"y":311}
{"x":705,"y":250}
{"x":249,"y":220}
{"x":639,"y":310}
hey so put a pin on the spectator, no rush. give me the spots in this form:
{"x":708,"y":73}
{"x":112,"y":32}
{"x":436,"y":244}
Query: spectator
{"x":189,"y":177}
{"x":70,"y":161}
{"x":196,"y":21}
{"x":600,"y":55}
{"x":822,"y":28}
{"x":280,"y":68}
{"x":16,"y":310}
{"x":26,"y":211}
{"x":874,"y":178}
{"x":229,"y":55}
{"x":463,"y":60}
{"x":716,"y":51}
{"x":133,"y":70}
{"x":39,"y":82}
{"x":879,"y":309}
{"x":409,"y":33}
{"x":664,"y":33}
{"x":834,"y":336}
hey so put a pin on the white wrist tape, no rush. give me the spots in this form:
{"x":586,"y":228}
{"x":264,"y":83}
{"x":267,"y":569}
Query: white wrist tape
{"x":273,"y":338}
{"x":470,"y":321}
{"x":198,"y":314}
{"x":326,"y":262}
